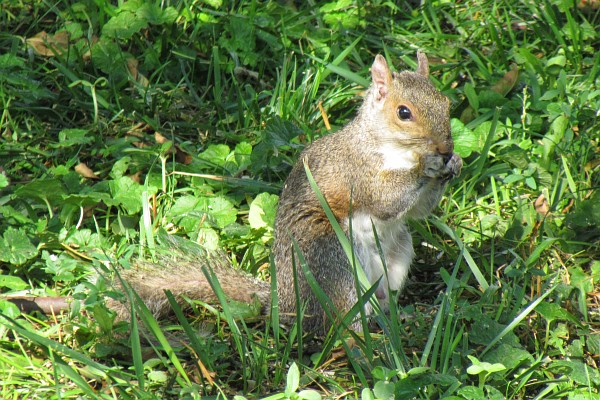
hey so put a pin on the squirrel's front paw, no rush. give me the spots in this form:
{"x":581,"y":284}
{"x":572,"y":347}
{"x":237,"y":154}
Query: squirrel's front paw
{"x":444,"y":167}
{"x":454,"y":165}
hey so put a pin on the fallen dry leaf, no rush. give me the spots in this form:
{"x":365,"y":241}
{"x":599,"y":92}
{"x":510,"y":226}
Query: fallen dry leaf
{"x":49,"y":45}
{"x":132,"y":66}
{"x":507,"y":82}
{"x":160,"y":139}
{"x":85,"y":171}
{"x":87,"y":56}
{"x":180,"y":155}
{"x":541,"y":205}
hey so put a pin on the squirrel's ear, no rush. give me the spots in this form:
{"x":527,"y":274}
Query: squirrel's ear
{"x":381,"y":75}
{"x":423,"y":64}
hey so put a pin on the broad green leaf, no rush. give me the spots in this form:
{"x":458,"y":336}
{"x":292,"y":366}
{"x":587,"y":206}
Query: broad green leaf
{"x":214,"y":3}
{"x":120,"y":166}
{"x":509,"y":356}
{"x":128,"y":194}
{"x":576,"y":370}
{"x":86,"y":198}
{"x":73,"y":137}
{"x":222,"y":210}
{"x":61,"y":268}
{"x":9,"y":61}
{"x":191,"y":211}
{"x":154,"y":14}
{"x":309,"y":394}
{"x":466,"y":141}
{"x":553,"y":138}
{"x":242,"y":310}
{"x":557,"y":63}
{"x":50,"y":190}
{"x":293,"y":379}
{"x":9,"y":309}
{"x":123,"y":26}
{"x":108,"y":56}
{"x":208,"y":238}
{"x":103,"y":317}
{"x":341,"y":12}
{"x":263,"y":211}
{"x":15,"y":247}
{"x":187,"y":213}
{"x":279,"y":132}
{"x":486,"y":329}
{"x":243,"y":154}
{"x":367,"y":394}
{"x":472,"y":393}
{"x":475,"y":369}
{"x":384,"y":390}
{"x":216,"y":154}
{"x":581,"y":279}
{"x":12,"y":282}
{"x":554,"y":312}
{"x":593,"y":343}
{"x":382,"y":373}
{"x":9,"y":213}
{"x":158,"y":376}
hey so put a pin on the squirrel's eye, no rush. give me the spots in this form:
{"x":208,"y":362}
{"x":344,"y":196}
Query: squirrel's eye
{"x":404,"y":113}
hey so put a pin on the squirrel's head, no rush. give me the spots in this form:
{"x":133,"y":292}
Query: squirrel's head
{"x":407,"y":110}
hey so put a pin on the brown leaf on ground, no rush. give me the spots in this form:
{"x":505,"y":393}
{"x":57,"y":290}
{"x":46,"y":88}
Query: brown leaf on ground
{"x":160,"y":139}
{"x":132,"y":66}
{"x":49,"y":45}
{"x":85,"y":171}
{"x":180,"y":155}
{"x":541,"y":205}
{"x":507,"y":82}
{"x":87,"y":56}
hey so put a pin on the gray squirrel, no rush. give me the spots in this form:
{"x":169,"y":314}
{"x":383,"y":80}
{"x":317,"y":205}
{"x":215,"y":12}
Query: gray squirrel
{"x":392,"y":162}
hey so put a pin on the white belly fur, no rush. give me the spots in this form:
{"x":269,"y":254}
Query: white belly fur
{"x":397,"y":248}
{"x":397,"y":158}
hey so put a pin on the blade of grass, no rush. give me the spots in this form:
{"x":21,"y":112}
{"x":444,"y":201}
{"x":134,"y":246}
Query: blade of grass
{"x":58,"y":348}
{"x":341,"y":235}
{"x":154,"y":328}
{"x":190,"y":333}
{"x":343,"y":323}
{"x":433,"y":341}
{"x":59,"y":365}
{"x":570,"y":181}
{"x":233,"y":326}
{"x":299,"y":304}
{"x":391,"y":324}
{"x":513,"y":324}
{"x":136,"y":348}
{"x":333,"y":66}
{"x":465,"y":253}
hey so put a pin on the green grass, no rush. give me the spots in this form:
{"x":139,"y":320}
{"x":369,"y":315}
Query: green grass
{"x":502,"y":301}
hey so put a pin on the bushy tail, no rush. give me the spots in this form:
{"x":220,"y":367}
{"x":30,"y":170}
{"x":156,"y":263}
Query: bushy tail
{"x":186,"y":279}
